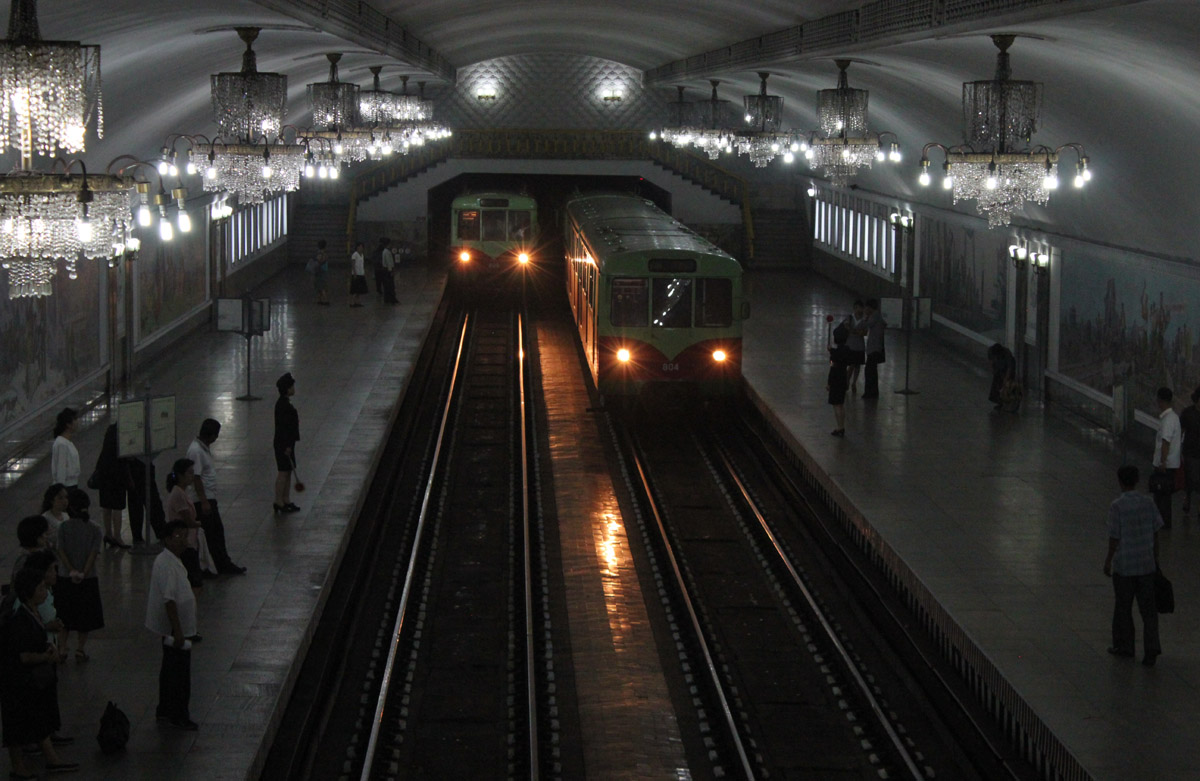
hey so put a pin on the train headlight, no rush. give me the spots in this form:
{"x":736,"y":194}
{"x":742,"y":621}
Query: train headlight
{"x":623,"y":355}
{"x":523,"y":257}
{"x":718,"y":355}
{"x":464,"y":256}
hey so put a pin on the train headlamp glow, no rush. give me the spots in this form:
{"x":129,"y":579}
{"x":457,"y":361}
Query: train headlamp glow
{"x":523,"y":257}
{"x":718,"y":355}
{"x":464,"y":256}
{"x":623,"y":355}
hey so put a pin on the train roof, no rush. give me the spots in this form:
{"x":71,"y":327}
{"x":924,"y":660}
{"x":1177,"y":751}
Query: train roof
{"x":519,"y":200}
{"x":616,"y":224}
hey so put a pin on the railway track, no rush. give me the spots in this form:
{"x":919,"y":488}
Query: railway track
{"x":791,"y":681}
{"x":432,"y":667}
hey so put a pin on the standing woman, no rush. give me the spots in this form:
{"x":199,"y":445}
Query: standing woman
{"x":77,"y":596}
{"x":113,"y":475}
{"x":54,"y":510}
{"x":358,"y":274}
{"x":180,"y":508}
{"x":321,"y":273}
{"x":287,"y":434}
{"x":64,"y":458}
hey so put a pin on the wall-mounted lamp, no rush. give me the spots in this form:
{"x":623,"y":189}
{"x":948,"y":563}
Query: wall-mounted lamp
{"x":901,"y":221}
{"x":1018,"y":254}
{"x":1040,"y":261}
{"x":485,"y":93}
{"x":812,"y":190}
{"x":612,"y":95}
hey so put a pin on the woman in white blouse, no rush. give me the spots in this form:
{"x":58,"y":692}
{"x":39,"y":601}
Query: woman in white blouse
{"x":64,"y":458}
{"x":358,"y":274}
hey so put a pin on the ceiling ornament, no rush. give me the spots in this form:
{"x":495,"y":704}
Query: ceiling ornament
{"x":334,"y":103}
{"x":842,"y":142}
{"x":249,"y":104}
{"x":996,"y":166}
{"x":706,"y":125}
{"x":408,"y":123}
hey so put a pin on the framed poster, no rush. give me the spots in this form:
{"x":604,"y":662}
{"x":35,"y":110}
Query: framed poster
{"x":230,"y":313}
{"x":131,"y":428}
{"x":162,"y":423}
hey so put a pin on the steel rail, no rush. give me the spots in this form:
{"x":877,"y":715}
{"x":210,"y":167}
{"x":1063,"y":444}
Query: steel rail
{"x":386,"y":682}
{"x":530,"y":672}
{"x":710,"y":664}
{"x":863,"y":687}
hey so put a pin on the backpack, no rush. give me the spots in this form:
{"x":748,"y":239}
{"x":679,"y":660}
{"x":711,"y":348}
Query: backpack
{"x":114,"y":730}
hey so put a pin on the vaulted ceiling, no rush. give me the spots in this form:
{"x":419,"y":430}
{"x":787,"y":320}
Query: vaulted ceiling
{"x":1122,"y":78}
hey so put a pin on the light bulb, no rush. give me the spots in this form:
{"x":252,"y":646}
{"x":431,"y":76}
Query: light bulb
{"x":267,"y":171}
{"x":895,"y":155}
{"x":162,"y":167}
{"x":210,"y":172}
{"x":948,"y":182}
{"x":1050,"y":182}
{"x":924,"y":179}
{"x":775,"y":147}
{"x":191,"y":167}
{"x":812,"y":192}
{"x":83,"y":227}
{"x":794,"y":147}
{"x":172,"y":170}
{"x":333,"y":172}
{"x":323,"y":172}
{"x":992,"y":182}
{"x":338,"y":148}
{"x":1079,"y":180}
{"x":1086,"y":174}
{"x":143,"y":216}
{"x":133,"y":244}
{"x":879,"y":155}
{"x":653,"y":136}
{"x":165,"y":231}
{"x":808,"y":154}
{"x":845,"y":153}
{"x":788,"y":157}
{"x":185,"y":221}
{"x":310,"y":171}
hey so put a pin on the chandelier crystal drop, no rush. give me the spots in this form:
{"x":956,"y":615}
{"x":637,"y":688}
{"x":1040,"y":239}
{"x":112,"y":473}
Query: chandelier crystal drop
{"x":248,"y":104}
{"x":996,"y":166}
{"x":49,"y":90}
{"x":254,"y":173}
{"x":334,"y":103}
{"x":843,"y":143}
{"x":30,"y":277}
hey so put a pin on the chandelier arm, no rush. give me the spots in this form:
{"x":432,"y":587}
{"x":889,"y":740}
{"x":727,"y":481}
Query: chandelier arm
{"x":109,"y":168}
{"x":931,"y":145}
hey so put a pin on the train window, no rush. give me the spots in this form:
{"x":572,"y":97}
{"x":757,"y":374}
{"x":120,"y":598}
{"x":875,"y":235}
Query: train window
{"x":630,"y":303}
{"x":518,"y":225}
{"x":673,"y":265}
{"x":494,"y":228}
{"x":468,"y":225}
{"x":714,"y":303}
{"x":672,"y":303}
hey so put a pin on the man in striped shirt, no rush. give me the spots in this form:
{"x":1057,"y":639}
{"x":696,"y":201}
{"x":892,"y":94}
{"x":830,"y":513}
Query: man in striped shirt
{"x":1133,"y":524}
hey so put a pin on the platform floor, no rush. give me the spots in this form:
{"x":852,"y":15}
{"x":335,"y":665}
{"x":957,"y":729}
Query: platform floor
{"x":351,"y":366}
{"x":1003,"y":517}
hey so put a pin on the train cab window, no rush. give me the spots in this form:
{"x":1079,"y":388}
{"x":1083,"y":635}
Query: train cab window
{"x":714,"y":303}
{"x":494,"y":228}
{"x":468,"y":225}
{"x":672,"y":303}
{"x":519,"y":226}
{"x":630,"y":303}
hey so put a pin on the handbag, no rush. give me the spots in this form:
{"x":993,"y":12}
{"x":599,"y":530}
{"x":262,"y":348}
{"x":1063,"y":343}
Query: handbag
{"x":114,"y":729}
{"x":1164,"y":593}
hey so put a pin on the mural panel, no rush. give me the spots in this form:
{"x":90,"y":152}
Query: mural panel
{"x":1129,"y":317}
{"x":171,"y":281}
{"x":48,"y":344}
{"x":963,"y":269}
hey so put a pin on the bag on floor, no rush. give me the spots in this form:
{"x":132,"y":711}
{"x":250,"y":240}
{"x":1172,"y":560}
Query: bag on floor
{"x":114,"y":730}
{"x":1164,"y":593}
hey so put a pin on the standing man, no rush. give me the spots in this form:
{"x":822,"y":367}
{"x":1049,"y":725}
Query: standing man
{"x":287,"y":434}
{"x":1167,"y":447}
{"x":171,"y":614}
{"x":203,"y":493}
{"x":388,"y":262}
{"x":1133,"y":524}
{"x":1189,"y":421}
{"x":875,"y":355}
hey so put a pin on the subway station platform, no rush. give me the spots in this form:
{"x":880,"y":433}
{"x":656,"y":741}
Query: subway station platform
{"x":351,"y":368}
{"x":1000,"y":519}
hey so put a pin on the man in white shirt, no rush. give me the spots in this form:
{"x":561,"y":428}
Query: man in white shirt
{"x":1168,"y":443}
{"x":171,"y":614}
{"x":203,"y":493}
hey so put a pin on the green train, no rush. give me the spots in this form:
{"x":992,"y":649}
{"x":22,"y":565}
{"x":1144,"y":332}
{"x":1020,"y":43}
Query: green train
{"x":492,"y":234}
{"x":654,"y":302}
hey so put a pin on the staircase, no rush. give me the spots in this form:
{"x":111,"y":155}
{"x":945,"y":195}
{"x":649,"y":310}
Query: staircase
{"x":312,"y":222}
{"x":780,"y":238}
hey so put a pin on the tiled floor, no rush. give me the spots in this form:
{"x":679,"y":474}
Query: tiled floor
{"x":1003,"y":518}
{"x":351,"y":366}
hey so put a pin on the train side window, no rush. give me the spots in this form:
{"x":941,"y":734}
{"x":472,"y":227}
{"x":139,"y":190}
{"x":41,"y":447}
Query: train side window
{"x":518,"y":226}
{"x":630,"y":303}
{"x":714,"y":303}
{"x":468,"y":225}
{"x":494,"y":225}
{"x":672,"y":303}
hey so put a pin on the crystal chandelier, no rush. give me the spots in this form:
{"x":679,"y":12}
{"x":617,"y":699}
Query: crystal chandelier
{"x":996,"y":167}
{"x":49,"y":90}
{"x":334,"y":103}
{"x":406,"y":122}
{"x":254,"y":172}
{"x":842,"y":143}
{"x":704,"y":125}
{"x":248,"y":104}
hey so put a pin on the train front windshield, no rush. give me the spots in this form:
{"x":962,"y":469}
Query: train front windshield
{"x":671,"y":301}
{"x":494,"y":225}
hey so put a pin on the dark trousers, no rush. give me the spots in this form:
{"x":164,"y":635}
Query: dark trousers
{"x":1162,"y":500}
{"x":380,"y":275}
{"x":389,"y":288}
{"x":871,"y":377}
{"x":214,"y":534}
{"x":174,"y":684}
{"x":137,"y":500}
{"x":1126,"y":589}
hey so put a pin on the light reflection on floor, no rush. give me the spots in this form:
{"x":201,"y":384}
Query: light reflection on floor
{"x":612,"y":550}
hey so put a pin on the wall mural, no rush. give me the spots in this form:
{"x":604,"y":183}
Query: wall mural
{"x":48,"y":344}
{"x":963,"y":269}
{"x":1129,"y":316}
{"x":171,"y":281}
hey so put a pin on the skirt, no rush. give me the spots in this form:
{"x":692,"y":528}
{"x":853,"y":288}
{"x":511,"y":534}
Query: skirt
{"x":284,"y":462}
{"x":28,"y":714}
{"x":358,"y":285}
{"x":78,"y":604}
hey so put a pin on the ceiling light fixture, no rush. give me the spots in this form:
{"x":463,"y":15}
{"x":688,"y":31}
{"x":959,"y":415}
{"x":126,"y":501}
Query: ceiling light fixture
{"x":996,"y":166}
{"x":842,"y":143}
